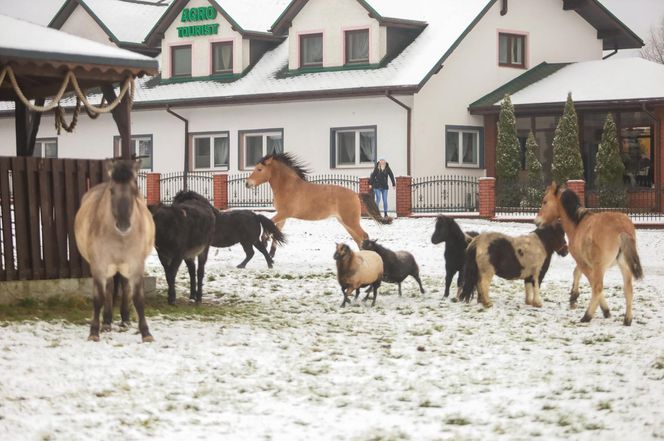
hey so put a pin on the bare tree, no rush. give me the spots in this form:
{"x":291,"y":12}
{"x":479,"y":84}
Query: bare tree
{"x":654,"y":48}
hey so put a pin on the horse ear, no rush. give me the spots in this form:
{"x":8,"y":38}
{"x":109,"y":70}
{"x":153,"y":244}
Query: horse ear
{"x":136,"y":166}
{"x":555,"y":188}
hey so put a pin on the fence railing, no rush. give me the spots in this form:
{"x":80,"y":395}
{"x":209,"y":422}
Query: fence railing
{"x":142,"y":182}
{"x":639,"y":203}
{"x":348,"y":181}
{"x":171,"y":183}
{"x":433,"y":194}
{"x":516,"y":198}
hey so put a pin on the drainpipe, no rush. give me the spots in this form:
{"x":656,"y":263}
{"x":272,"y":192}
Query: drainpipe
{"x":409,"y":112}
{"x":503,"y":8}
{"x":186,"y":143}
{"x":615,"y":51}
{"x":659,"y":151}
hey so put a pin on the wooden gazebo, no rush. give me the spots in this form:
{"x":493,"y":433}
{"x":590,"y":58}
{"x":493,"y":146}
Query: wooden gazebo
{"x":39,"y":197}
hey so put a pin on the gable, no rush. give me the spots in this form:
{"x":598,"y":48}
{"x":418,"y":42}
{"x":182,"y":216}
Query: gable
{"x":82,"y":24}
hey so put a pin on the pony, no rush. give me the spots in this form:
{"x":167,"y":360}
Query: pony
{"x":456,"y":242}
{"x":524,"y":257}
{"x":596,"y":241}
{"x":295,"y":197}
{"x":114,"y":233}
{"x":356,"y":270}
{"x":183,"y":232}
{"x":239,"y":226}
{"x":397,"y":265}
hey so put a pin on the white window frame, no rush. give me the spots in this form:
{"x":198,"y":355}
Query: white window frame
{"x":357,"y":130}
{"x":134,"y":148}
{"x":211,"y":136}
{"x":264,"y":133}
{"x":40,"y":147}
{"x":460,"y":130}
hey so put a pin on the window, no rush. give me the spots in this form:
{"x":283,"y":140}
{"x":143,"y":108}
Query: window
{"x":141,"y":146}
{"x":181,"y":61}
{"x":463,"y":146}
{"x":46,"y":148}
{"x":311,"y":50}
{"x":511,"y":50}
{"x":357,"y":46}
{"x":353,"y":146}
{"x":222,"y":57}
{"x":256,"y":144}
{"x":211,"y":151}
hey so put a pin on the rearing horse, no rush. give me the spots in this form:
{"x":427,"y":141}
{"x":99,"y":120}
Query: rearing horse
{"x":596,"y":241}
{"x":295,"y":197}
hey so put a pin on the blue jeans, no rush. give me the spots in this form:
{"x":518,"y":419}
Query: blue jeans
{"x":378,"y":193}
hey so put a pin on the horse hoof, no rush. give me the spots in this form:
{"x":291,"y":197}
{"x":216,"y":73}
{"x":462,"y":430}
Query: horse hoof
{"x":573,"y":305}
{"x":487,"y":305}
{"x":537,"y":304}
{"x":105,"y":328}
{"x":93,"y":338}
{"x":148,"y":339}
{"x":171,"y":302}
{"x":607,"y":313}
{"x":627,"y":321}
{"x":586,"y":318}
{"x":241,"y":266}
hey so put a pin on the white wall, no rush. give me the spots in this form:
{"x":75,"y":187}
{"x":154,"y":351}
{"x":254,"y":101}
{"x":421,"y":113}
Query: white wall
{"x":472,"y":71}
{"x":332,"y":18}
{"x":82,"y":24}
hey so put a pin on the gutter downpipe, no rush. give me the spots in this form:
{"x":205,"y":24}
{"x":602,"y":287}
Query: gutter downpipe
{"x":658,"y":142}
{"x":409,"y":113}
{"x":615,"y":51}
{"x":186,"y":144}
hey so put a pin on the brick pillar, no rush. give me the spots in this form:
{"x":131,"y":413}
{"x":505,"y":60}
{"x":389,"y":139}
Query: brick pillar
{"x":488,"y":198}
{"x":220,"y":191}
{"x":578,"y":186}
{"x":153,"y":190}
{"x":364,"y":188}
{"x":404,"y":202}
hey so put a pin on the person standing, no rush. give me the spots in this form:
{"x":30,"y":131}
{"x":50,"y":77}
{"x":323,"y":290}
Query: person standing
{"x":378,"y":182}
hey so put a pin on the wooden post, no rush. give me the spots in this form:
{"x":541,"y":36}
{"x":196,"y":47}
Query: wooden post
{"x":122,"y":118}
{"x":27,"y":125}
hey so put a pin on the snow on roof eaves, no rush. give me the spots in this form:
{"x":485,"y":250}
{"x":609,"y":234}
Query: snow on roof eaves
{"x":614,"y":79}
{"x":253,"y":15}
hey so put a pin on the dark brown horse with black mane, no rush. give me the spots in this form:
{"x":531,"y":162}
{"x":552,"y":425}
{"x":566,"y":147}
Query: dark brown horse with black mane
{"x":295,"y":197}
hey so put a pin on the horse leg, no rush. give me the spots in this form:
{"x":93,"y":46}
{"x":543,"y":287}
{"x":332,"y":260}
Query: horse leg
{"x":449,"y":275}
{"x":627,"y":288}
{"x":537,"y":299}
{"x":399,"y":289}
{"x":528,"y":287}
{"x":171,"y":272}
{"x":108,"y":305}
{"x":260,"y":247}
{"x":416,"y":276}
{"x":346,"y":292}
{"x":124,"y":306}
{"x":597,"y":285}
{"x":355,"y":230}
{"x":249,"y":253}
{"x":375,"y":292}
{"x":202,"y":260}
{"x":136,"y":291}
{"x":97,"y":301}
{"x":483,"y":291}
{"x":191,"y":267}
{"x":279,"y":222}
{"x":574,"y":293}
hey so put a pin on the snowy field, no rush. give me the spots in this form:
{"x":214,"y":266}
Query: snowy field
{"x":288,"y":363}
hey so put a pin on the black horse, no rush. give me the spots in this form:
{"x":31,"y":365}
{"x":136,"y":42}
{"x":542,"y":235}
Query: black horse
{"x":184,"y":231}
{"x":239,"y":226}
{"x":396,"y":265}
{"x":456,"y":242}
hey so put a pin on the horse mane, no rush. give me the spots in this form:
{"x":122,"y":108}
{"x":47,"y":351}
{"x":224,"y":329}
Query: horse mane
{"x":189,"y":195}
{"x":454,"y":229}
{"x":572,"y":206}
{"x":546,"y":234}
{"x":290,"y":161}
{"x":123,"y":172}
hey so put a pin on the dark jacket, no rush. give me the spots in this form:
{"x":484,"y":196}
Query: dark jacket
{"x":378,"y":178}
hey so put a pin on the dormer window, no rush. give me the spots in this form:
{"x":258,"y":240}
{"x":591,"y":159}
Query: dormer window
{"x":311,"y":50}
{"x":222,"y":57}
{"x":181,"y":61}
{"x":357,"y":46}
{"x":511,"y":50}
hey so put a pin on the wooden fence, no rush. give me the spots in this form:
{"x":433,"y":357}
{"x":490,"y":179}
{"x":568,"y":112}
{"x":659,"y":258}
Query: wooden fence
{"x":39,"y":199}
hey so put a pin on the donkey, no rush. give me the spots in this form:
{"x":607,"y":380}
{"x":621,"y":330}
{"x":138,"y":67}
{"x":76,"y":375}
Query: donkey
{"x":356,"y":270}
{"x":456,"y":241}
{"x":184,"y":232}
{"x":397,"y":265}
{"x":596,"y":241}
{"x":243,"y":226}
{"x":115,"y":233}
{"x":524,"y":257}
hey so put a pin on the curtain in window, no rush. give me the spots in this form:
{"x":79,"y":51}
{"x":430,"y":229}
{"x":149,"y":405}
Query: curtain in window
{"x":452,"y":147}
{"x":181,"y":63}
{"x":469,"y":148}
{"x":345,"y":148}
{"x":503,"y":50}
{"x":145,"y":150}
{"x":253,"y":150}
{"x":221,"y":151}
{"x":274,"y":144}
{"x":312,"y":49}
{"x":50,"y":149}
{"x":358,"y":46}
{"x":367,"y":146}
{"x":202,"y":152}
{"x":223,"y":57}
{"x":517,"y":50}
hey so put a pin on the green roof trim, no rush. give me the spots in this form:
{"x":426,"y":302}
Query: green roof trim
{"x":524,"y":80}
{"x":221,"y":78}
{"x":285,"y":73}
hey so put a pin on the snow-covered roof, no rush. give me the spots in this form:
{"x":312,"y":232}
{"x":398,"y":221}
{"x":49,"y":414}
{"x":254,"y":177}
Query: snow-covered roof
{"x":613,"y":79}
{"x":38,"y":42}
{"x":253,"y":15}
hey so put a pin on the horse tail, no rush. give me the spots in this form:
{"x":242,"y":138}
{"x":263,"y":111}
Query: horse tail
{"x":372,"y":209}
{"x":271,"y":228}
{"x":630,"y":255}
{"x":470,"y":272}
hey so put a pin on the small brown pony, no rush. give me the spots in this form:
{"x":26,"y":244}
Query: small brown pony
{"x":295,"y":197}
{"x":596,"y":241}
{"x":115,"y":233}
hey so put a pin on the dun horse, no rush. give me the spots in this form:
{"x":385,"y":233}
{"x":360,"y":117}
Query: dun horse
{"x":596,"y":241}
{"x":356,"y":270}
{"x":115,"y":233}
{"x":297,"y":198}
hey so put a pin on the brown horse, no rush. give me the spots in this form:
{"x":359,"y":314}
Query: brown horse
{"x":115,"y":233}
{"x":295,"y":197}
{"x":596,"y":241}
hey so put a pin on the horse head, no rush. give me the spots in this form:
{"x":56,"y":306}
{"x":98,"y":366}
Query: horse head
{"x":261,"y":174}
{"x":368,"y":244}
{"x":550,"y":210}
{"x":559,"y":242}
{"x":342,"y":251}
{"x":441,"y":232}
{"x":124,"y":190}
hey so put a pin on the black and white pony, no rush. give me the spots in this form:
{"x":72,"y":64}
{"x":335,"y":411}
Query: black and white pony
{"x":456,"y":241}
{"x":524,"y":257}
{"x":396,"y":265}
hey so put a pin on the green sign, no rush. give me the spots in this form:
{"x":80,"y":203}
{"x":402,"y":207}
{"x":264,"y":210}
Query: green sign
{"x":198,"y":14}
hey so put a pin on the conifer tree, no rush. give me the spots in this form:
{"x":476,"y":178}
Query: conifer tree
{"x":535,"y":191}
{"x":507,"y":155}
{"x":609,"y":168}
{"x":567,"y":163}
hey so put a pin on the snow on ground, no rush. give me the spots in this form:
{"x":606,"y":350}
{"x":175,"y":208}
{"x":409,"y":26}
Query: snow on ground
{"x":287,"y":362}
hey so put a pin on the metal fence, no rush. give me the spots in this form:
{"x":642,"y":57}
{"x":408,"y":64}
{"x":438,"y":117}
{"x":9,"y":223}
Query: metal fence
{"x":171,"y":183}
{"x":515,"y":198}
{"x":142,"y":181}
{"x":348,"y":181}
{"x":435,"y":194}
{"x":642,"y":204}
